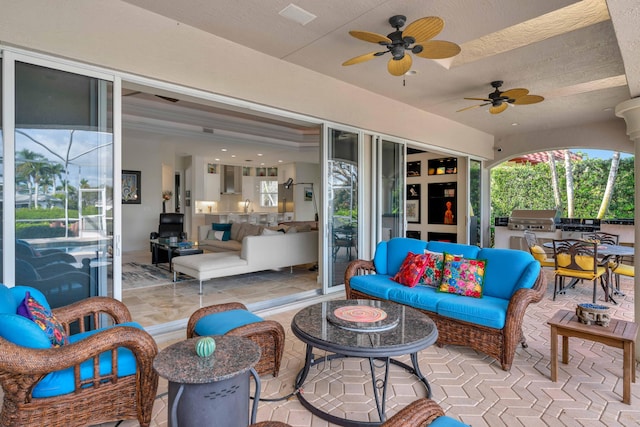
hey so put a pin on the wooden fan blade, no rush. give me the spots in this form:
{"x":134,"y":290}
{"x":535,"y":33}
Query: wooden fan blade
{"x":401,"y":66}
{"x":499,"y":109}
{"x":359,"y":59}
{"x":529,"y":99}
{"x":370,"y":37}
{"x":473,"y":106}
{"x":515,"y":93}
{"x":438,"y":49}
{"x":424,"y":29}
{"x":479,"y":99}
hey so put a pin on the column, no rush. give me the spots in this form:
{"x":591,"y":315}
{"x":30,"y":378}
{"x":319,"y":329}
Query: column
{"x":630,"y":112}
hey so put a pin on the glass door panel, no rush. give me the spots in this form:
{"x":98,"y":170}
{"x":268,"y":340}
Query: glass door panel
{"x":392,"y":172}
{"x":342,"y":192}
{"x":63,"y":183}
{"x":475,"y":191}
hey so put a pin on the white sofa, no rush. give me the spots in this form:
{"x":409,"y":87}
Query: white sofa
{"x":265,"y":252}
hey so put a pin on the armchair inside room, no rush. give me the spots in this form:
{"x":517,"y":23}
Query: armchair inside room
{"x":93,"y":377}
{"x":170,"y":225}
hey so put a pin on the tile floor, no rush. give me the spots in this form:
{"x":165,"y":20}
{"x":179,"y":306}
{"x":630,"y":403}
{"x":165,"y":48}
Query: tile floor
{"x":468,"y":385}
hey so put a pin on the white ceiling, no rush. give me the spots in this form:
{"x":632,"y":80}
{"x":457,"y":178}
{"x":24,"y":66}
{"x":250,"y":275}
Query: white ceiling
{"x":564,"y":50}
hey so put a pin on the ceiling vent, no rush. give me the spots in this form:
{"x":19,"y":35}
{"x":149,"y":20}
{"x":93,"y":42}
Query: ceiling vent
{"x":297,"y":14}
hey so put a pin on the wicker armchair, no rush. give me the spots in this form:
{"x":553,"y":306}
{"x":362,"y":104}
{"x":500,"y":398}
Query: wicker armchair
{"x":94,"y":397}
{"x":268,"y":334}
{"x":418,"y":413}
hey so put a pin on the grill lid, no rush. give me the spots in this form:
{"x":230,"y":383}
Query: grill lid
{"x":542,"y":220}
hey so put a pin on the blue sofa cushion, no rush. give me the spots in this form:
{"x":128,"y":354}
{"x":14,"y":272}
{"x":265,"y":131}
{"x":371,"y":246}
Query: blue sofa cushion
{"x":390,"y":255}
{"x":223,"y":322}
{"x":421,"y":297}
{"x":62,"y":382}
{"x":467,"y":251}
{"x":376,"y":285}
{"x":507,"y":271}
{"x":225,"y":227}
{"x":486,"y":311}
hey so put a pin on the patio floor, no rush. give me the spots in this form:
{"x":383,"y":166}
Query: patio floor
{"x":468,"y":385}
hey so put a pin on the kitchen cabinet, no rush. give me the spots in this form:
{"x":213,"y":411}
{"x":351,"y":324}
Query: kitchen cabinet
{"x":211,"y":187}
{"x":250,"y":189}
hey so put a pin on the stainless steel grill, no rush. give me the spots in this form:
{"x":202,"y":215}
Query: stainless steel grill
{"x":536,"y":220}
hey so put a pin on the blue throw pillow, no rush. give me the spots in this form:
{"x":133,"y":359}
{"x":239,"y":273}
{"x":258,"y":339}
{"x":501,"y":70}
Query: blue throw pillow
{"x":222,"y":227}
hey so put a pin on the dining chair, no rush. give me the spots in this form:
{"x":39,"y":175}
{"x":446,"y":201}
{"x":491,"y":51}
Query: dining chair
{"x":578,"y":259}
{"x":537,"y":250}
{"x":618,"y":268}
{"x":602,"y":238}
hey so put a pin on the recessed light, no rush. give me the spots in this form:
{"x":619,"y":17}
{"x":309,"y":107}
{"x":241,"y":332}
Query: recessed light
{"x":279,"y":161}
{"x":607,"y":109}
{"x":261,"y":164}
{"x":259,"y":154}
{"x":515,"y":124}
{"x":297,"y":14}
{"x":233,"y":155}
{"x":217,"y":160}
{"x":224,"y":149}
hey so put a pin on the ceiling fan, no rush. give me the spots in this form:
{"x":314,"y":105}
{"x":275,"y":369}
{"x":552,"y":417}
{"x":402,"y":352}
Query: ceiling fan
{"x":500,"y":100}
{"x":415,"y":38}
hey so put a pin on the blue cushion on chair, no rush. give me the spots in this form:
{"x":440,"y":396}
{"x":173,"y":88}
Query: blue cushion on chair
{"x":22,"y":331}
{"x":62,"y":382}
{"x":7,"y":303}
{"x":223,"y":322}
{"x":445,"y":421}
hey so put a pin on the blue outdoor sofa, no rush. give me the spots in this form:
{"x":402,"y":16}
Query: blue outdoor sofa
{"x":491,"y":324}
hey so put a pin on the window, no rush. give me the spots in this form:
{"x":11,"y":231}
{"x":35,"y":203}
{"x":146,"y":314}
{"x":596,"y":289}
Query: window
{"x":268,"y":193}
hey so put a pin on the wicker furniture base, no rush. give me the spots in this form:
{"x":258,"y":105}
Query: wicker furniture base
{"x":109,"y":399}
{"x":268,"y":334}
{"x":498,"y":343}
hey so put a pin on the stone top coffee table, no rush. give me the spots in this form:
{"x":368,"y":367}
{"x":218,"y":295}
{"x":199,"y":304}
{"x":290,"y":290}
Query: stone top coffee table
{"x":374,"y":330}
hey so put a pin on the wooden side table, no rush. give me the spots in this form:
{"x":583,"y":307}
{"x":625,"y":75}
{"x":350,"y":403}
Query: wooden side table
{"x":619,"y":334}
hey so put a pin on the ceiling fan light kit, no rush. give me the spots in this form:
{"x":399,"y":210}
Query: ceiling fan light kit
{"x":416,"y":38}
{"x":499,"y":101}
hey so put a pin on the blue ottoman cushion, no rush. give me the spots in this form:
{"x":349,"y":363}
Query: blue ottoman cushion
{"x":445,"y":421}
{"x":221,"y":323}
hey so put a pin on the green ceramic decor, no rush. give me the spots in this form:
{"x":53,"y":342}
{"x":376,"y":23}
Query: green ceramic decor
{"x":205,"y":346}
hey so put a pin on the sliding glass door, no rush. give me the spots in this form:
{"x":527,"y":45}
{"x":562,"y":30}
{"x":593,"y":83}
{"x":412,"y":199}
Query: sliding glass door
{"x":391,"y":183}
{"x":63,"y":182}
{"x":342,"y":203}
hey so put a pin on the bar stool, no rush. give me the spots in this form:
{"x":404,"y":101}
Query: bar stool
{"x":234,"y":319}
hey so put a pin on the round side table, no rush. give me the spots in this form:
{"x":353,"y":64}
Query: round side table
{"x":202,"y":389}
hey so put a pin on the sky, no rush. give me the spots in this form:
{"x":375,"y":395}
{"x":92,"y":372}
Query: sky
{"x":601,"y":154}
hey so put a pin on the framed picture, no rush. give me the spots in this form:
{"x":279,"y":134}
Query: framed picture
{"x":413,"y":169}
{"x":131,"y":188}
{"x":414,"y":234}
{"x":413,"y":192}
{"x":413,"y":211}
{"x":212,"y":168}
{"x":308,"y":194}
{"x":187,"y":193}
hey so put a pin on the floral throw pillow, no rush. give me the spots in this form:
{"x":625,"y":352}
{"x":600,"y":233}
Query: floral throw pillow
{"x":433,"y":270}
{"x":43,"y":317}
{"x":463,"y":276}
{"x":411,"y":270}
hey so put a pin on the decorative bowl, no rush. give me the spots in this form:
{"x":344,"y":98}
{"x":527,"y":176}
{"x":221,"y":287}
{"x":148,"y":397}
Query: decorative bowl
{"x":593,"y":313}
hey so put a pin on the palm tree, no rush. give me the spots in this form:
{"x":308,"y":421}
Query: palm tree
{"x":554,"y":178}
{"x":611,"y":180}
{"x":31,"y":169}
{"x":568,"y":171}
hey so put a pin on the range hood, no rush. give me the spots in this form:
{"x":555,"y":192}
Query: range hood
{"x":231,"y":179}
